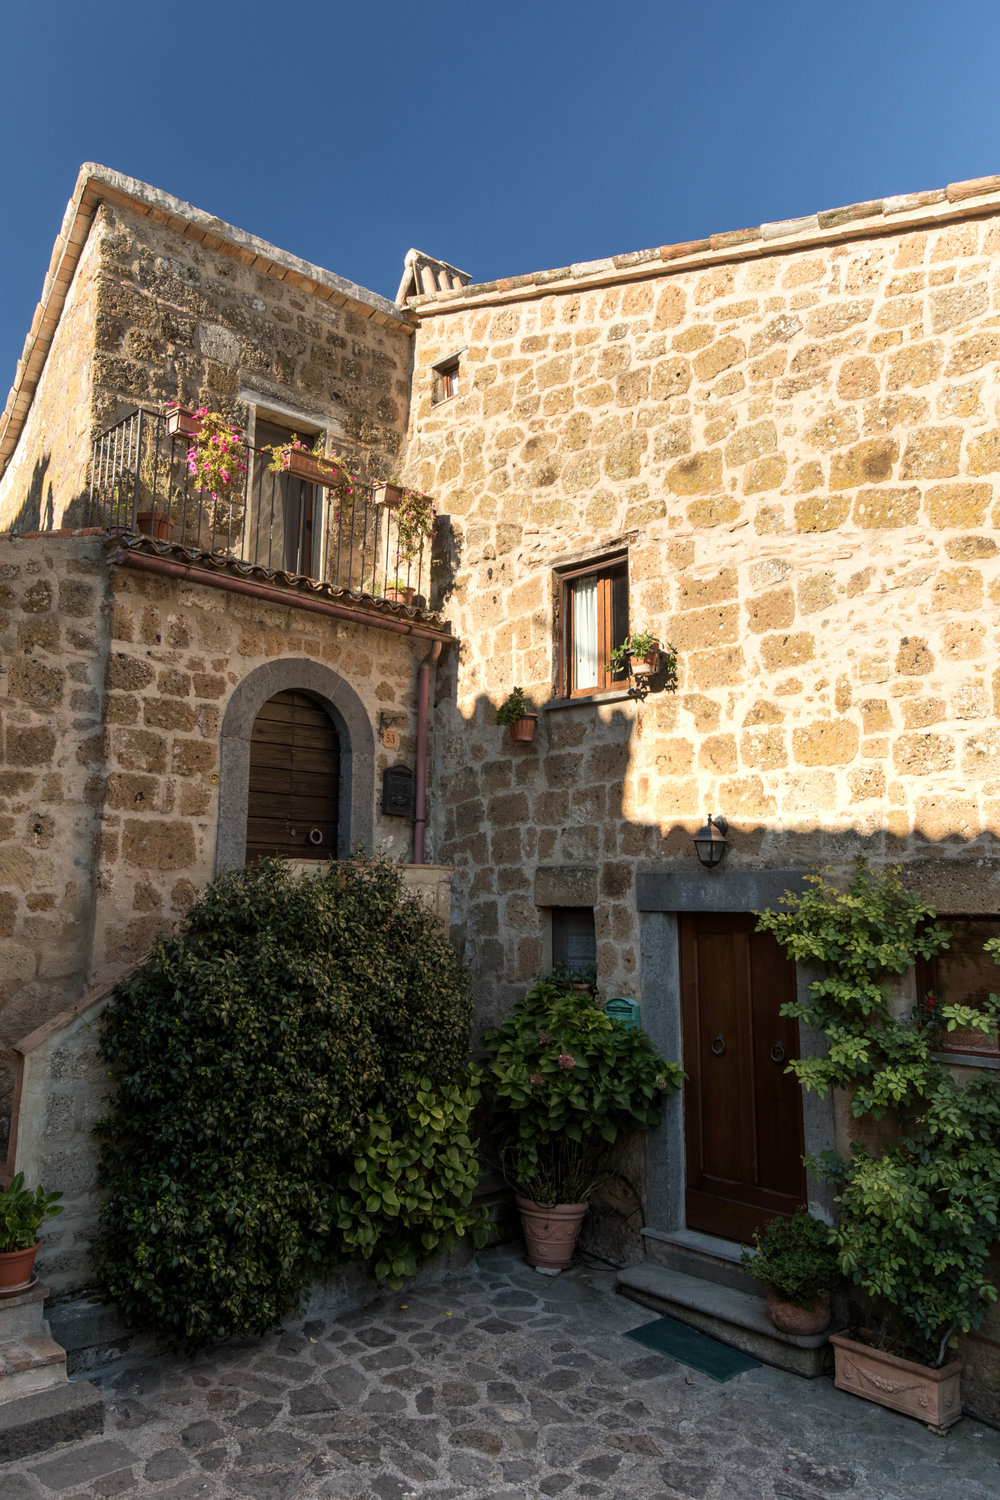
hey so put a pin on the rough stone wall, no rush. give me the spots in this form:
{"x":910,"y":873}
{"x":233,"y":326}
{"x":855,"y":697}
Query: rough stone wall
{"x":172,"y":315}
{"x":802,"y":452}
{"x":53,"y":653}
{"x":113,"y":696}
{"x":152,"y":314}
{"x":48,"y":470}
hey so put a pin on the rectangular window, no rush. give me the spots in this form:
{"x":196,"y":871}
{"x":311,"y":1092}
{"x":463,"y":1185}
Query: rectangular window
{"x":593,"y":608}
{"x":573,"y":940}
{"x":445,"y":380}
{"x":963,"y":974}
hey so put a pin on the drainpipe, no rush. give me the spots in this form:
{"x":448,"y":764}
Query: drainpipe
{"x":423,"y":706}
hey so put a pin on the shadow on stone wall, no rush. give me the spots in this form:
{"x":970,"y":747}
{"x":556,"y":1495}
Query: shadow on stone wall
{"x":36,"y":512}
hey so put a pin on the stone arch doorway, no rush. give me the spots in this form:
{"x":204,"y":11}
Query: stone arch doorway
{"x":337,"y":700}
{"x":294,"y":785}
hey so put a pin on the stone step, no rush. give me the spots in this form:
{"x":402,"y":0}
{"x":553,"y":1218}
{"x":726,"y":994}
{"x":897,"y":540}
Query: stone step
{"x":23,"y":1314}
{"x":34,"y":1423}
{"x":29,"y":1364}
{"x":733,"y":1317}
{"x":702,"y":1255}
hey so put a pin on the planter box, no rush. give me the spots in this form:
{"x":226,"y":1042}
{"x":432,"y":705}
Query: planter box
{"x":304,"y":465}
{"x":932,"y":1396}
{"x":388,"y":495}
{"x":181,"y":420}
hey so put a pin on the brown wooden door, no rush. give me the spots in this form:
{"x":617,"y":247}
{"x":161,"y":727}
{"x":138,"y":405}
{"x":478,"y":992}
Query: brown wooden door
{"x":294,"y":780}
{"x":742,"y":1110}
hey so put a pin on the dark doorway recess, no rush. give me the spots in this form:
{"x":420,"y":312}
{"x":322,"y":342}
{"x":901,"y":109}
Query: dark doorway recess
{"x":294,"y":780}
{"x":742,"y":1110}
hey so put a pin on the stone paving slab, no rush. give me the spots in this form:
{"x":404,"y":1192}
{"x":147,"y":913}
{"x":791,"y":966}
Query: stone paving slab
{"x":495,"y":1383}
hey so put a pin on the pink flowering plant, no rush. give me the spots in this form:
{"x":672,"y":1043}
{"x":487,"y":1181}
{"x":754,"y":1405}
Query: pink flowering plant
{"x":567,"y":1082}
{"x":347,"y":489}
{"x":216,"y":461}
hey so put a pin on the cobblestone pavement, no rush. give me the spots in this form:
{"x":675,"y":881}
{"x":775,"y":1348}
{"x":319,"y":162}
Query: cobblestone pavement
{"x":494,"y":1382}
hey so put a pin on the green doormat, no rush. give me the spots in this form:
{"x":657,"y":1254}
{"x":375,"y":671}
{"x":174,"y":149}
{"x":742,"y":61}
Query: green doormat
{"x":689,"y":1347}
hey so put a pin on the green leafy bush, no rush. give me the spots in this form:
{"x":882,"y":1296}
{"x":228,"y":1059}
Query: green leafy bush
{"x":566,"y":1082}
{"x":796,"y":1257}
{"x":23,"y":1211}
{"x":917,"y":1219}
{"x":254,"y":1056}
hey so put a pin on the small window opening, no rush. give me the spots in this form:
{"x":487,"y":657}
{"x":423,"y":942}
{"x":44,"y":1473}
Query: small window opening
{"x":574,"y":943}
{"x":446,"y":379}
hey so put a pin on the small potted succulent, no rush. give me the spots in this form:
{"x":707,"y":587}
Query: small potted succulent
{"x":22,"y":1213}
{"x":797,"y":1258}
{"x":567,"y":1082}
{"x":514,"y":711}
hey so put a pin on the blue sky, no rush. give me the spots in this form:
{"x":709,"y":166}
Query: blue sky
{"x":504,"y":138}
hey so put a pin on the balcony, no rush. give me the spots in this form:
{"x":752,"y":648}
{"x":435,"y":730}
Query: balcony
{"x":276,"y":527}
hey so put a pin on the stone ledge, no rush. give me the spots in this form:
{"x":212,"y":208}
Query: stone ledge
{"x":60,"y":1415}
{"x":734,"y":1318}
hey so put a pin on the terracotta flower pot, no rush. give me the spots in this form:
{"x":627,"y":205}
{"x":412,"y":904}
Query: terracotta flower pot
{"x":550,"y":1232}
{"x":788,"y":1317}
{"x":158,"y":526}
{"x":401,"y":595}
{"x":388,"y":495}
{"x":305,"y":465}
{"x":645,"y":666}
{"x":17,"y":1268}
{"x":523,"y":729}
{"x":182,"y":419}
{"x":932,"y":1396}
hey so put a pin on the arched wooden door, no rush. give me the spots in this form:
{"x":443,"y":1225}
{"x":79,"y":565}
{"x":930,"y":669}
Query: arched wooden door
{"x":294,"y":792}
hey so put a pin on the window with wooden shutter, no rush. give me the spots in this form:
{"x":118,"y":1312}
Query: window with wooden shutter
{"x":294,"y":791}
{"x":593,"y":604}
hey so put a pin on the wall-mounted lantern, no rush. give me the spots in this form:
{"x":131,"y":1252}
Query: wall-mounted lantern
{"x":711,"y":843}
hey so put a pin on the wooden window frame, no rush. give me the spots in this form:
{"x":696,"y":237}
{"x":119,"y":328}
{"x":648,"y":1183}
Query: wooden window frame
{"x":446,"y":377}
{"x":959,"y":1044}
{"x":606,"y":570}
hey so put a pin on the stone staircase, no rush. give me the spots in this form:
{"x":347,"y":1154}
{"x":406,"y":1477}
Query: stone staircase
{"x":39,"y":1405}
{"x":698,"y":1280}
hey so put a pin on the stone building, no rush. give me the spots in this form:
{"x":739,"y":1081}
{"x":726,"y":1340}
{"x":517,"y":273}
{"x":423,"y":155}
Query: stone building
{"x":778,"y":448}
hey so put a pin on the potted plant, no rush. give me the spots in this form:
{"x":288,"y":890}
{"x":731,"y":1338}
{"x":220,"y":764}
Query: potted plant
{"x":401,"y":591}
{"x":639,"y":654}
{"x":22,"y":1213}
{"x":314,"y":466}
{"x":797,"y":1258}
{"x":514,"y":711}
{"x":567,"y":1082}
{"x":918,"y":1215}
{"x":182,"y":420}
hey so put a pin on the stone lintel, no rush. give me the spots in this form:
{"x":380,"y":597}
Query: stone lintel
{"x":566,"y":885}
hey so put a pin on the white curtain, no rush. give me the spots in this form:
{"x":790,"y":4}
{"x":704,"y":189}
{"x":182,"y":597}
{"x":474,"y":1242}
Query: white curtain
{"x":585,"y":665}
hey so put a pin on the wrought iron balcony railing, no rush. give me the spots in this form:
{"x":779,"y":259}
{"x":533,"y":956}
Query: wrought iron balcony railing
{"x":140,"y":484}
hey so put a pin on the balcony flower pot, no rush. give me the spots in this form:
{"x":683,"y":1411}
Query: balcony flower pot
{"x":157,"y":525}
{"x":17,"y":1269}
{"x":388,"y":495}
{"x":932,"y":1396}
{"x":180,"y":419}
{"x":550,"y":1232}
{"x":399,"y":595}
{"x":315,"y":470}
{"x":523,"y":729}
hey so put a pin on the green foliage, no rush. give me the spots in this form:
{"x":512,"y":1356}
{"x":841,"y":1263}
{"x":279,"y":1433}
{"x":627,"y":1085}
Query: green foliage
{"x":567,"y":1081}
{"x":513,"y":707}
{"x":22,"y":1213}
{"x":918,"y":1218}
{"x":797,"y":1257}
{"x":252,"y":1056}
{"x":864,"y":937}
{"x":639,"y":644}
{"x":409,"y":1189}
